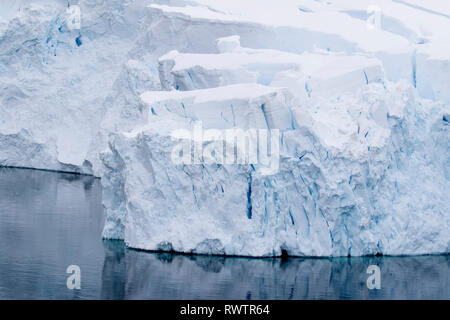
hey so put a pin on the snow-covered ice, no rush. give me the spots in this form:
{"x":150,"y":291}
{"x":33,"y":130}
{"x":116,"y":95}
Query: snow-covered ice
{"x":347,"y":173}
{"x":363,"y":113}
{"x":322,"y":74}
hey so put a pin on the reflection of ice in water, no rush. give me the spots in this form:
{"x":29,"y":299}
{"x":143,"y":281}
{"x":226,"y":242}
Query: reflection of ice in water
{"x":49,"y":221}
{"x":164,"y":276}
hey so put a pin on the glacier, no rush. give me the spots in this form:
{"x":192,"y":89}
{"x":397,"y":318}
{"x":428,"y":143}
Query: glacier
{"x":363,"y":114}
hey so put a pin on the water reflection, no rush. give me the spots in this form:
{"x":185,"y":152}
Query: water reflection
{"x":164,"y":276}
{"x":49,"y":221}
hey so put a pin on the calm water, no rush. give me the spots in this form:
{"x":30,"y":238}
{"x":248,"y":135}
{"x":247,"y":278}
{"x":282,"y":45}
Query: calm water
{"x":49,"y":221}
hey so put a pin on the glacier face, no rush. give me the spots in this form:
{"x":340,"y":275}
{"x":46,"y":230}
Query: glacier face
{"x":56,"y":83}
{"x":373,"y":184}
{"x":363,"y":115}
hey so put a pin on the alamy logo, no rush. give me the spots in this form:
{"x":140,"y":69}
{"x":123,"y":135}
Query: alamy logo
{"x":374,"y":280}
{"x":74,"y":280}
{"x":259,"y":147}
{"x":374,"y":20}
{"x":73,"y":19}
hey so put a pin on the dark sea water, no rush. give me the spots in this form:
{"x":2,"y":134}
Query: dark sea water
{"x":49,"y":221}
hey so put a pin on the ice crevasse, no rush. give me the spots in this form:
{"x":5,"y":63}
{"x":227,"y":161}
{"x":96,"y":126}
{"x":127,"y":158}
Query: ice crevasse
{"x":363,"y":121}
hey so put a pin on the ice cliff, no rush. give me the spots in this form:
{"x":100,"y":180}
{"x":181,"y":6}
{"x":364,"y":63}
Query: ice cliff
{"x":362,"y":107}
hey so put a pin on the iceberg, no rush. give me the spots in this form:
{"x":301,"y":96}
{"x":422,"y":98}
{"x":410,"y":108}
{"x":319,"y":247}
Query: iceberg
{"x":344,"y":185}
{"x":357,"y":115}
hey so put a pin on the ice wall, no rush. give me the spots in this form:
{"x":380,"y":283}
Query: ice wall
{"x":362,"y":110}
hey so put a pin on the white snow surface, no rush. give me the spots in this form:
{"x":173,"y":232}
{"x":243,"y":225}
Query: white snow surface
{"x":363,"y":114}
